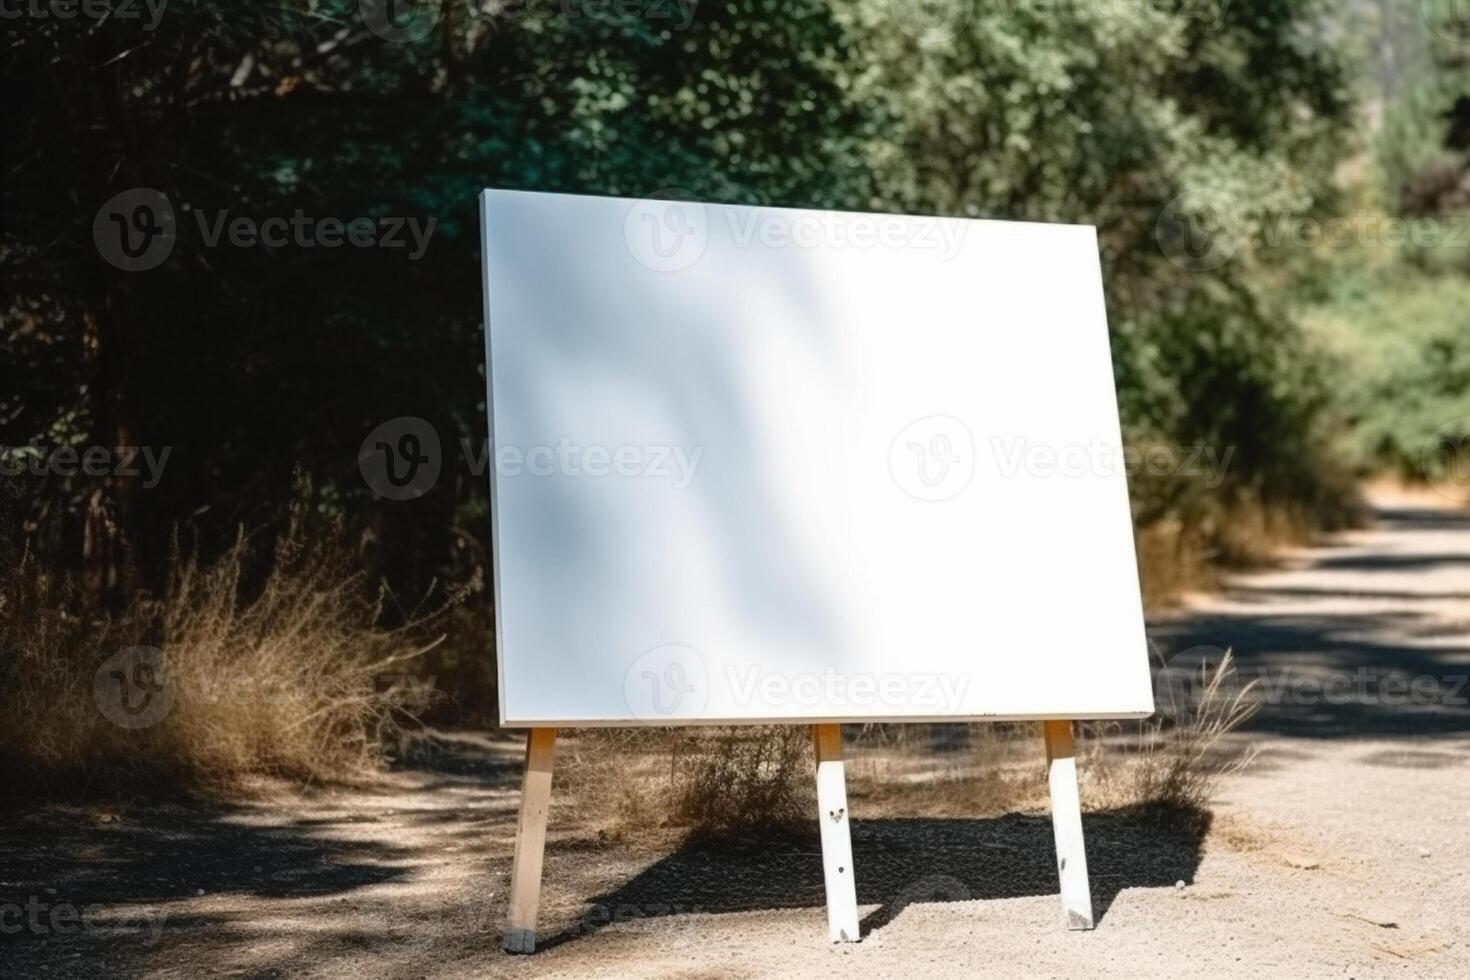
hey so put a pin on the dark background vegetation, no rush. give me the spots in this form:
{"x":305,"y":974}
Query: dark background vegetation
{"x":1186,"y":130}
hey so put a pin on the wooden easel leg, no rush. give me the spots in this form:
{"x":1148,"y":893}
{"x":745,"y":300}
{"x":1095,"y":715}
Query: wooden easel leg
{"x":837,"y":870}
{"x":525,"y":875}
{"x":1066,"y":822}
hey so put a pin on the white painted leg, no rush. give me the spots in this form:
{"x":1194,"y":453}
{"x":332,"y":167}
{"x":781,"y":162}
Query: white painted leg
{"x":525,"y":875}
{"x":1066,"y":822}
{"x":837,"y":870}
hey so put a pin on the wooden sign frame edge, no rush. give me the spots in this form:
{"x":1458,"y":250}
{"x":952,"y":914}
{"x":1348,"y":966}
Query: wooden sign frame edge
{"x":838,"y":873}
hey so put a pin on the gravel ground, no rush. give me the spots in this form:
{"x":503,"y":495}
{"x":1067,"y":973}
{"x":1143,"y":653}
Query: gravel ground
{"x":1341,"y":852}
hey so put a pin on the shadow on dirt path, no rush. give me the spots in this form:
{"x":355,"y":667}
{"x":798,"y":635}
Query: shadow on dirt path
{"x":1367,"y":637}
{"x":260,"y":888}
{"x":903,"y":862}
{"x":1357,"y":644}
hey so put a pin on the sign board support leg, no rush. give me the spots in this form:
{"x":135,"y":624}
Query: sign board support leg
{"x":1066,"y":822}
{"x":837,"y":870}
{"x":525,"y":875}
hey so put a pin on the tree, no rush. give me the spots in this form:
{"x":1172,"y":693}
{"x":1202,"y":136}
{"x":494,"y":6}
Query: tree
{"x":255,"y":361}
{"x":1183,"y":132}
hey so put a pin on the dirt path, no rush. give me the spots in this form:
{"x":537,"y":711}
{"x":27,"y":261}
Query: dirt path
{"x":1342,"y":852}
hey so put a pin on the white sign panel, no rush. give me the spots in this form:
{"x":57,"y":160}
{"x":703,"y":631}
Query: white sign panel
{"x":761,"y":464}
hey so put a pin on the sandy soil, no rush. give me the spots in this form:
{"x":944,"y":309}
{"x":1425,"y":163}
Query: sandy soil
{"x":1342,"y":852}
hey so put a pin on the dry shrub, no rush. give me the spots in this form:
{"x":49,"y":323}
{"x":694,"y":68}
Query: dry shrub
{"x":1170,"y":763}
{"x":289,"y":675}
{"x":627,"y":783}
{"x":701,"y":781}
{"x":618,"y":782}
{"x":1180,"y":554}
{"x":298,"y":680}
{"x":748,"y":779}
{"x":945,"y":770}
{"x":1177,"y":758}
{"x":631,"y":783}
{"x":1172,"y":562}
{"x":48,"y":637}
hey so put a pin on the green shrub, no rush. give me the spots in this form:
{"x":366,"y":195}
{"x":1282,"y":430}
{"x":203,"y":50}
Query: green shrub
{"x":1401,"y":340}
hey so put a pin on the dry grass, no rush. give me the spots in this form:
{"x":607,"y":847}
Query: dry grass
{"x":1173,"y":561}
{"x":953,"y":770}
{"x":617,"y":781}
{"x":627,"y":784}
{"x":1176,"y":759}
{"x":1177,"y":556}
{"x":286,"y":675}
{"x":748,"y":779}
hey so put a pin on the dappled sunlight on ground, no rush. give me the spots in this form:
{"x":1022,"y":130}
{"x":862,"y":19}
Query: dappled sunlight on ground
{"x":1340,"y":850}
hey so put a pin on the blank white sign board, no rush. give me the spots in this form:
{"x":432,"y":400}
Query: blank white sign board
{"x":761,"y":464}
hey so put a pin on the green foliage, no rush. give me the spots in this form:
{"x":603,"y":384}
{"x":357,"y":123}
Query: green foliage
{"x":1100,"y":113}
{"x":1225,"y":119}
{"x":1402,"y":344}
{"x":1226,"y":371}
{"x":1420,"y":147}
{"x":1394,"y":313}
{"x":256,"y":364}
